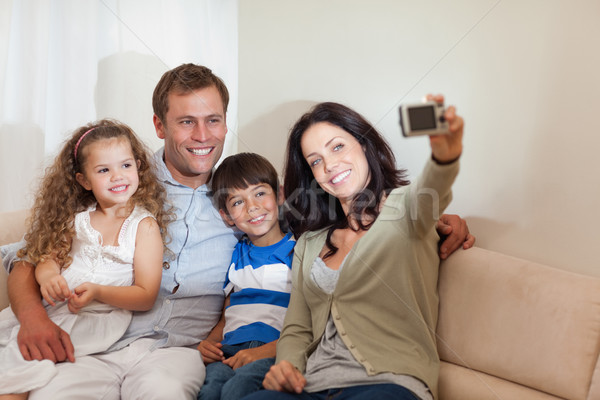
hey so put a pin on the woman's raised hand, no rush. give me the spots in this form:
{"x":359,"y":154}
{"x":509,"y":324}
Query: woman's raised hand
{"x":447,"y":148}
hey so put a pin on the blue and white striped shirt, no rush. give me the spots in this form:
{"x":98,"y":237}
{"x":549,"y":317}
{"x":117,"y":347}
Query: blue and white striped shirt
{"x":259,"y":282}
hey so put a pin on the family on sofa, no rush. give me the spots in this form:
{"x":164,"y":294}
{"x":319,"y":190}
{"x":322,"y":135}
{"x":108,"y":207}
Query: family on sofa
{"x":347,"y":205}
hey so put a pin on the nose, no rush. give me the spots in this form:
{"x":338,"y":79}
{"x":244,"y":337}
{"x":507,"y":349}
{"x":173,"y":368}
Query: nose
{"x":116,"y":175}
{"x":329,"y":163}
{"x":252,"y":206}
{"x":200,"y":133}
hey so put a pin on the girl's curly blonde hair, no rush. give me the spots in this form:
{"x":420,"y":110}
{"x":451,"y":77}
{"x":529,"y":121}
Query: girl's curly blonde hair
{"x":60,"y":196}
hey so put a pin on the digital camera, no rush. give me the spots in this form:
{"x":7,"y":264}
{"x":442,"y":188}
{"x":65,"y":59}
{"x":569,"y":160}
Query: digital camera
{"x":423,"y":119}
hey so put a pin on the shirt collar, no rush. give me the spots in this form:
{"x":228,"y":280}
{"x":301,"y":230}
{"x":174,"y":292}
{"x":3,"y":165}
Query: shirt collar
{"x":164,"y":175}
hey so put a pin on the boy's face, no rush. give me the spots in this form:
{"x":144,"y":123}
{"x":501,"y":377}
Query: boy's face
{"x":255,"y":212}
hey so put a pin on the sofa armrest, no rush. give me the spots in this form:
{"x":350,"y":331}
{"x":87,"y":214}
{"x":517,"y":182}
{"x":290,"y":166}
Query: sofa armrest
{"x":12,"y":229}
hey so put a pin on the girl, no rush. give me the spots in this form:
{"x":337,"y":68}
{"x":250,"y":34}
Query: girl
{"x":96,"y":236}
{"x":363,"y":309}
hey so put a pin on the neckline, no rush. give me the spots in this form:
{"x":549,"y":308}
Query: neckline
{"x":98,"y":236}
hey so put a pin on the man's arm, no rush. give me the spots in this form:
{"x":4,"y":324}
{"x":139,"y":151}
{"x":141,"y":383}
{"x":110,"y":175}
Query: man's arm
{"x":210,"y":348}
{"x":39,"y":338}
{"x":455,"y":233}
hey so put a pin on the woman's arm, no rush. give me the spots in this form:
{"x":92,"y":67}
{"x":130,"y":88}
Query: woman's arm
{"x":431,"y":193}
{"x":147,"y":269}
{"x":296,"y":334}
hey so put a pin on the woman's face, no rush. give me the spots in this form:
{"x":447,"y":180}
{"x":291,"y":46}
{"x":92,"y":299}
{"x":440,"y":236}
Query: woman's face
{"x":337,"y":160}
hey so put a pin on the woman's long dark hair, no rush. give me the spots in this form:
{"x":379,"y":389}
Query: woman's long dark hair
{"x":310,"y":208}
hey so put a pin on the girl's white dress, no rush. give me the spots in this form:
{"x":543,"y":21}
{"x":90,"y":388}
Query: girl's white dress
{"x":97,"y":326}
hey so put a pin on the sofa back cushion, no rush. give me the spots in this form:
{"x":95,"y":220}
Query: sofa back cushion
{"x":520,"y":321}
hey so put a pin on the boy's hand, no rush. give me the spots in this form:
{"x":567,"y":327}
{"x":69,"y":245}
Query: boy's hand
{"x":211,"y":351}
{"x":54,"y":289}
{"x":246,"y":356}
{"x":83,"y":295}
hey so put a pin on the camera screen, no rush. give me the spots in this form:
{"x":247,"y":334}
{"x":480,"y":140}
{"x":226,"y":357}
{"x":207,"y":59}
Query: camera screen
{"x":421,"y":118}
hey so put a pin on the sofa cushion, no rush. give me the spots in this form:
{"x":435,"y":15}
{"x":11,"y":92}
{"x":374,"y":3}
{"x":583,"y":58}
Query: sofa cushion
{"x":460,"y":383}
{"x":521,"y":321}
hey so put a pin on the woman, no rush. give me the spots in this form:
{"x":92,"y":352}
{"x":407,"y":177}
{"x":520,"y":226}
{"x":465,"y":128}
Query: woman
{"x":363,"y":310}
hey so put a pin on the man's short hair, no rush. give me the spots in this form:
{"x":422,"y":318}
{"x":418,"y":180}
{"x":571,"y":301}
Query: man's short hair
{"x":185,"y":79}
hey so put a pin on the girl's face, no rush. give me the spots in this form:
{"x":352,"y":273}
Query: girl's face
{"x":337,"y":160}
{"x":110,"y":171}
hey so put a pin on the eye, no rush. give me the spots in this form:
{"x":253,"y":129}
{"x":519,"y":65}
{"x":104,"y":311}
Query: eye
{"x":338,"y":147}
{"x":260,"y":194}
{"x":102,"y":170}
{"x":127,"y":165}
{"x":187,"y":122}
{"x":237,"y":203}
{"x":315,"y":162}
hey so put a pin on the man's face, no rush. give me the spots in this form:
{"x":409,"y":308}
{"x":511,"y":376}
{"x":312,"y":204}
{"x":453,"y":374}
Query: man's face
{"x":194,"y":132}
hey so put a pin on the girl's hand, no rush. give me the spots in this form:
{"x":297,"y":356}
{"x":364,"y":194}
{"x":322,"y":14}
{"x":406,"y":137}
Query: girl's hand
{"x":83,"y":295}
{"x":284,"y":377}
{"x":447,"y":148}
{"x":54,"y":289}
{"x":211,"y":351}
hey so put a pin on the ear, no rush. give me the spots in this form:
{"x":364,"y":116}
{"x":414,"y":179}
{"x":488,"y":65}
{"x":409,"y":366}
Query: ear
{"x":80,"y":178}
{"x":159,"y":127}
{"x":226,"y":217}
{"x":138,"y":163}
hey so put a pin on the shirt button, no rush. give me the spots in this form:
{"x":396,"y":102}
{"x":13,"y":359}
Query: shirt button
{"x":156,"y":327}
{"x":166,"y":265}
{"x":343,"y":333}
{"x":168,"y":301}
{"x":338,"y":317}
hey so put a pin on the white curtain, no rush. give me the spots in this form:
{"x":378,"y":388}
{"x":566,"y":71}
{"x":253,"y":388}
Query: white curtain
{"x":64,"y":63}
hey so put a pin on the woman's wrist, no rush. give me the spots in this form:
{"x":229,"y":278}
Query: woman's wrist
{"x":444,"y":162}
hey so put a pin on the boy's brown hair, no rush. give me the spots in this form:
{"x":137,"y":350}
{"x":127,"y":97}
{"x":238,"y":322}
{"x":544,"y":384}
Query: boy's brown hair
{"x":240,"y":171}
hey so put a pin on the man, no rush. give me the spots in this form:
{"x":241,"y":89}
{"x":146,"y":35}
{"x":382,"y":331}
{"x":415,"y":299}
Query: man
{"x":157,"y":356}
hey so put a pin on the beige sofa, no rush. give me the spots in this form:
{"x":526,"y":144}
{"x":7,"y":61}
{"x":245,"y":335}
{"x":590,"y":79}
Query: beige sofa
{"x":508,"y":328}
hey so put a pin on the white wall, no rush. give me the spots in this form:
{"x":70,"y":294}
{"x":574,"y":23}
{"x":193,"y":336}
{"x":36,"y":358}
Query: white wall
{"x":523,"y":75}
{"x":66,"y":63}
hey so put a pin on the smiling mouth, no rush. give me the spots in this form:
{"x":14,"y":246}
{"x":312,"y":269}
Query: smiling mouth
{"x":257,"y":219}
{"x":200,"y":152}
{"x":340,"y":177}
{"x":119,"y":188}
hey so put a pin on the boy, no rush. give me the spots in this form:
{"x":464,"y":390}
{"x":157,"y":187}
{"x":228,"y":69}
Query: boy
{"x":258,"y":283}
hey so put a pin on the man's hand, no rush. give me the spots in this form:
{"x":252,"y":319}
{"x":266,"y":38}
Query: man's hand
{"x":211,"y":351}
{"x":41,"y":339}
{"x":38,"y":338}
{"x":284,"y":377}
{"x":455,"y":233}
